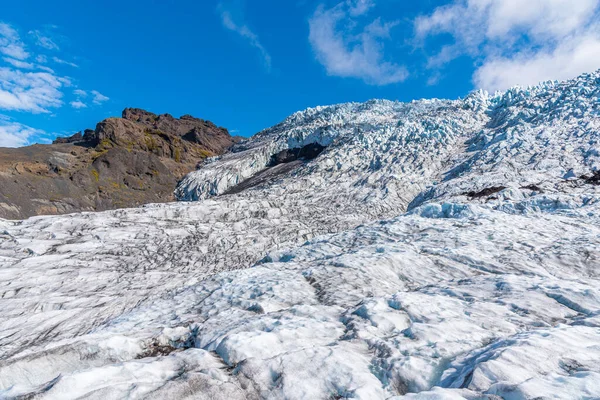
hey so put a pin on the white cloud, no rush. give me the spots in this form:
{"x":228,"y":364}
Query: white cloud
{"x":21,"y":89}
{"x":99,"y":98}
{"x":32,"y":87}
{"x":78,"y":104}
{"x":434,"y":79}
{"x":61,"y":61}
{"x":10,"y":43}
{"x":245,"y":32}
{"x":540,"y":19}
{"x":473,"y":22}
{"x":29,"y":91}
{"x":13,"y":134}
{"x":43,"y":40}
{"x":18,"y":63}
{"x":359,"y":7}
{"x":571,"y":58}
{"x":345,"y":53}
{"x":515,"y":41}
{"x":44,"y":68}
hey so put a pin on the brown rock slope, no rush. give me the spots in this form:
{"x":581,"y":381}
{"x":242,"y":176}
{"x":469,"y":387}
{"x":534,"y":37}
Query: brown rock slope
{"x":124,"y":162}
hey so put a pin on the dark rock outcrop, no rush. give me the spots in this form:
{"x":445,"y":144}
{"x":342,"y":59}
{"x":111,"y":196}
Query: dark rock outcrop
{"x":89,"y":135}
{"x":594,"y":179}
{"x":124,"y":162}
{"x":77,"y":137}
{"x":308,"y":152}
{"x":189,"y":128}
{"x":281,"y":163}
{"x":485,"y":192}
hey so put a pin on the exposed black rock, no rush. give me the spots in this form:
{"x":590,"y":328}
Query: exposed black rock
{"x":281,"y":163}
{"x":594,"y":179}
{"x":533,"y":187}
{"x":308,"y":152}
{"x":485,"y":192}
{"x":266,"y":175}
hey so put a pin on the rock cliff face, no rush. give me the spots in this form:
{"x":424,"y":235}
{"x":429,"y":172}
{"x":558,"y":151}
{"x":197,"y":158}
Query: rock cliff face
{"x":124,"y":162}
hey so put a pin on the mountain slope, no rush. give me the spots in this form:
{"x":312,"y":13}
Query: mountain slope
{"x":125,"y":162}
{"x":435,"y":249}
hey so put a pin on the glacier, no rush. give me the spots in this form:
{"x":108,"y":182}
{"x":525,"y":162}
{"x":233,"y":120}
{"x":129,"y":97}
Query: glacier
{"x":437,"y":249}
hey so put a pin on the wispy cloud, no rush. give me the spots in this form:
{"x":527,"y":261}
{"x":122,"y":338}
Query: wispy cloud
{"x":44,"y":68}
{"x":10,"y":43}
{"x":242,"y":29}
{"x":64,"y":62}
{"x":14,"y":134}
{"x":44,"y":40}
{"x":359,"y":7}
{"x":516,"y":42}
{"x":28,"y":84}
{"x":18,"y":63}
{"x":29,"y":91}
{"x":344,"y":52}
{"x":98,"y":98}
{"x":78,"y":104}
{"x":20,"y":88}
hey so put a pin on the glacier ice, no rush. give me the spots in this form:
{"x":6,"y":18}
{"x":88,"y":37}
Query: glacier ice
{"x":435,"y":250}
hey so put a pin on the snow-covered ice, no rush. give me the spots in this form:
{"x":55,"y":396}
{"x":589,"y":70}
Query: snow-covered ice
{"x":435,"y":250}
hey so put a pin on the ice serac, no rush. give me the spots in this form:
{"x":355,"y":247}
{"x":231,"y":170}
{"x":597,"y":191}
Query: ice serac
{"x":380,"y":149}
{"x":428,"y":250}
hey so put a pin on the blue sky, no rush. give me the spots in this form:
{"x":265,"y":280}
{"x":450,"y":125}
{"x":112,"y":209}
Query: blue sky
{"x":246,"y":65}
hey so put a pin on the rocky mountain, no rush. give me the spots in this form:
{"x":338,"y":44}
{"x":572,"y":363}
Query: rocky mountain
{"x":438,"y":249}
{"x":124,"y":162}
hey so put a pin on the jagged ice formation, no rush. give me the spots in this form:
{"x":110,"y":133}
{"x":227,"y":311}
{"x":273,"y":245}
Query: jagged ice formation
{"x":434,"y":249}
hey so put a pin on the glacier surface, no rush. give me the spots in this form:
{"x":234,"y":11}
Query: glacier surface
{"x":434,"y":250}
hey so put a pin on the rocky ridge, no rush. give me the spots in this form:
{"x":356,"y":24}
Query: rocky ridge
{"x":124,"y":162}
